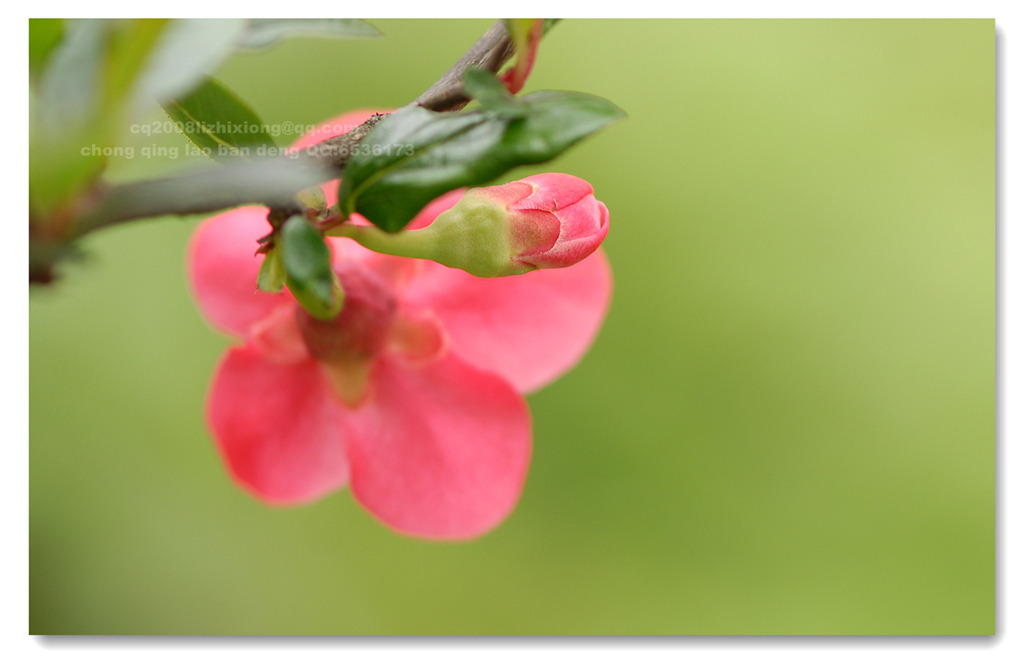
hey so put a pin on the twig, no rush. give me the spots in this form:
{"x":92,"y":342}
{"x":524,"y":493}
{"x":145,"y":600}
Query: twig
{"x":271,"y":181}
{"x":261,"y":182}
{"x":489,"y":53}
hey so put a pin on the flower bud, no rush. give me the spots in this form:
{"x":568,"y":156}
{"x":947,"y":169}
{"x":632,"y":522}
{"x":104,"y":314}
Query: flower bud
{"x":556,"y":223}
{"x":545,"y":221}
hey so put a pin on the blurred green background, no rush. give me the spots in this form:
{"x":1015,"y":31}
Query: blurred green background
{"x":785,"y":427}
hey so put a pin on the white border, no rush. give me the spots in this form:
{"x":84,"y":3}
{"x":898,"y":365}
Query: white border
{"x":1002,"y":652}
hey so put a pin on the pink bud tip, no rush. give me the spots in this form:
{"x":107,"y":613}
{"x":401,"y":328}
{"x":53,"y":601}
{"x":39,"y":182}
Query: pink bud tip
{"x":554,"y":219}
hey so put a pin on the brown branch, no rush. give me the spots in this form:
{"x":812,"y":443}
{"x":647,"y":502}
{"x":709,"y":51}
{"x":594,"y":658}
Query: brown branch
{"x":489,"y":53}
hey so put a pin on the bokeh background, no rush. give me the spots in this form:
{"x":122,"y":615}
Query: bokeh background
{"x":785,"y":427}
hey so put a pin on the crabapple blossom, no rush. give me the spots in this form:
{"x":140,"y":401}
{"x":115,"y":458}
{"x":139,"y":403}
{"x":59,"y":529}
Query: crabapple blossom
{"x":411,"y":395}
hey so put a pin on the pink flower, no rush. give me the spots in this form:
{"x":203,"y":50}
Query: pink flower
{"x":412,"y":395}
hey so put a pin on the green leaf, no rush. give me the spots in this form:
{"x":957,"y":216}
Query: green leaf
{"x":188,"y":50}
{"x":219,"y":122}
{"x":261,"y":33}
{"x":78,"y":111}
{"x":129,"y":48}
{"x":485,"y":88}
{"x":415,"y":155}
{"x":307,"y":261}
{"x":69,"y":91}
{"x":556,"y":120}
{"x":103,"y":73}
{"x":43,"y":36}
{"x":66,"y":116}
{"x":272,"y":273}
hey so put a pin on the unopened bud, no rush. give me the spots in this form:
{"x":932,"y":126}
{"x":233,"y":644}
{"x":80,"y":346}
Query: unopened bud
{"x":552,"y":220}
{"x":545,"y":221}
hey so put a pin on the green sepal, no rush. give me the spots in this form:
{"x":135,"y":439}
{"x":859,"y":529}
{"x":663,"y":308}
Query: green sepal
{"x":272,"y":272}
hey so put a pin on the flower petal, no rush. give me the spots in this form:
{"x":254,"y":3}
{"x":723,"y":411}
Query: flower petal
{"x":277,"y":428}
{"x":223,"y":268}
{"x":440,"y":450}
{"x":529,"y":328}
{"x":278,"y":337}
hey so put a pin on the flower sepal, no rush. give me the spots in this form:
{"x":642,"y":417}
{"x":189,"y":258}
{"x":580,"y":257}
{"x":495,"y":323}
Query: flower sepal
{"x":272,"y":274}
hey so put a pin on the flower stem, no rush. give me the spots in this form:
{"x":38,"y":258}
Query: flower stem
{"x":418,"y":244}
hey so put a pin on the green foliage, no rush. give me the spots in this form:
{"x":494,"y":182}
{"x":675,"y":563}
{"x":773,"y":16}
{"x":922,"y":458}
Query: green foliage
{"x":128,"y":53}
{"x":43,"y":36}
{"x":272,"y":272}
{"x":307,"y":261}
{"x":188,"y":50}
{"x":416,"y":155}
{"x":93,"y":77}
{"x":485,"y":88}
{"x":65,"y":116}
{"x":218,"y":121}
{"x":102,"y":74}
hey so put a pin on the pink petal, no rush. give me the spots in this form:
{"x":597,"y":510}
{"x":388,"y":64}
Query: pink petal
{"x":223,"y":267}
{"x":554,"y":191}
{"x":330,"y":191}
{"x":529,"y":328}
{"x":277,"y":336}
{"x":440,"y":450}
{"x":418,"y":338}
{"x":278,"y":430}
